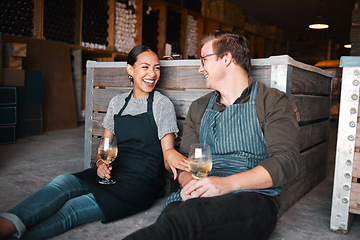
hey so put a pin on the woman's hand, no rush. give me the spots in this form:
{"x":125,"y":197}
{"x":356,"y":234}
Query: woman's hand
{"x":175,"y":161}
{"x":103,"y":171}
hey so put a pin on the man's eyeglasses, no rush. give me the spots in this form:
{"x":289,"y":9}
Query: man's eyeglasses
{"x":204,"y":56}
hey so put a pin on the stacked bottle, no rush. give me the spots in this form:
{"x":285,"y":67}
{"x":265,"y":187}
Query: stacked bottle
{"x":16,"y":17}
{"x":125,"y":21}
{"x":59,"y":20}
{"x":150,"y":28}
{"x":191,"y":37}
{"x":94,"y":24}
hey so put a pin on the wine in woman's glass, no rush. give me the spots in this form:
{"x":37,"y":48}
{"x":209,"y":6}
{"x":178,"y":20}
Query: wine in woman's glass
{"x":107,"y":152}
{"x":200,"y":160}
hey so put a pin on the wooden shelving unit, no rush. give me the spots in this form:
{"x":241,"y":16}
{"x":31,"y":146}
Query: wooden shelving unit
{"x":213,"y":15}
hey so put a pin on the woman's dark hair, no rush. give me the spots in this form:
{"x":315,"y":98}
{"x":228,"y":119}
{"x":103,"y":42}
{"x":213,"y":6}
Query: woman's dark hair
{"x":135,"y":52}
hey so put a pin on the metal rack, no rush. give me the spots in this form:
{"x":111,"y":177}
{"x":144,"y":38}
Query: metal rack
{"x":346,"y":189}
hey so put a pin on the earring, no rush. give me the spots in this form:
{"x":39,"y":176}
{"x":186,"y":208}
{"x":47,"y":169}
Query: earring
{"x":130,"y":77}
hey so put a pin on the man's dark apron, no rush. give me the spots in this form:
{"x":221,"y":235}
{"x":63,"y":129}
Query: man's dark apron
{"x":138,"y":168}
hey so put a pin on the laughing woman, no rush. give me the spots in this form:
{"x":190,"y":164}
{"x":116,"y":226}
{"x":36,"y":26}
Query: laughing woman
{"x":144,"y":124}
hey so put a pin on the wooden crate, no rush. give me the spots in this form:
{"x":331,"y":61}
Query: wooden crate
{"x":346,"y":188}
{"x":308,"y":87}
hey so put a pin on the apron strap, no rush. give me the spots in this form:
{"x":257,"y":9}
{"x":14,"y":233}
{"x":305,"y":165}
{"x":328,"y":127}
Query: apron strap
{"x":127,"y":99}
{"x":211,"y":102}
{"x":150,"y":101}
{"x":253,"y":92}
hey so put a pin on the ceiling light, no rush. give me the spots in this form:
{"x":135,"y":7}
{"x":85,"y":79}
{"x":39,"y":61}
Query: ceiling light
{"x":318,"y":23}
{"x":347,"y":45}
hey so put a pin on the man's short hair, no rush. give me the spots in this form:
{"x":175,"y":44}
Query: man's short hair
{"x":234,"y":43}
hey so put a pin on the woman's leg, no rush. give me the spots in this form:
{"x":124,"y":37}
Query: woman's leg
{"x":45,"y":202}
{"x":75,"y":212}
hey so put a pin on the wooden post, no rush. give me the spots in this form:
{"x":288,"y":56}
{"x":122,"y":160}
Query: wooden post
{"x":38,"y":19}
{"x":162,"y":30}
{"x":111,"y":23}
{"x":139,"y":19}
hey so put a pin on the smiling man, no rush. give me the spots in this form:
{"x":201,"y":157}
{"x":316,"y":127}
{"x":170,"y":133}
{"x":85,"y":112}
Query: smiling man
{"x":253,"y":136}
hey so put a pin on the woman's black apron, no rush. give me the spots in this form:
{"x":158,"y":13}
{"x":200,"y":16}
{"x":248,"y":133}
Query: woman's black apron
{"x":138,"y":168}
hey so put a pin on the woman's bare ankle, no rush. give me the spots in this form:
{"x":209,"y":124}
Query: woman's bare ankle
{"x":6,"y":228}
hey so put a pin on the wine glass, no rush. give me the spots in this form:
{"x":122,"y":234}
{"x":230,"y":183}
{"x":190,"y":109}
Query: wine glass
{"x":107,"y":152}
{"x":200,"y":160}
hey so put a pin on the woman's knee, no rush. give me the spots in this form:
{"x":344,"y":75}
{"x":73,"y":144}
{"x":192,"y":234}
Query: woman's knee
{"x":65,"y":180}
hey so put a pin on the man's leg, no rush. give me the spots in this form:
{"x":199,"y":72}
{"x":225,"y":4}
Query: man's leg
{"x":232,"y":216}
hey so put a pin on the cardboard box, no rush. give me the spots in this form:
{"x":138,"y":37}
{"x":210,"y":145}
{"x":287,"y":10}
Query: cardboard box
{"x":15,"y":49}
{"x":13,"y":62}
{"x":34,"y":89}
{"x":20,"y":126}
{"x":33,"y":127}
{"x":14,"y":77}
{"x":32,"y":111}
{"x":7,"y":96}
{"x":7,"y":115}
{"x":7,"y":134}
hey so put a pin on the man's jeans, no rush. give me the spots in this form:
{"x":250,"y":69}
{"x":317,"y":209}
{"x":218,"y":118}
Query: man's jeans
{"x":64,"y":203}
{"x":243,"y":215}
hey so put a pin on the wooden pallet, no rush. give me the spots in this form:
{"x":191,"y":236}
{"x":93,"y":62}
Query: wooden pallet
{"x":308,"y":88}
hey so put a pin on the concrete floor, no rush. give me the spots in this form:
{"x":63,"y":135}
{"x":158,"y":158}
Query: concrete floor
{"x":28,"y":165}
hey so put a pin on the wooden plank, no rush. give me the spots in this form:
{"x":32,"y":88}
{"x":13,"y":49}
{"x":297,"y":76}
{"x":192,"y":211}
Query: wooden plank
{"x":102,"y":97}
{"x":162,"y":31}
{"x":38,"y":19}
{"x":15,"y":49}
{"x":13,"y":62}
{"x":139,"y":20}
{"x":356,"y":166}
{"x":355,"y":198}
{"x":97,"y":128}
{"x":111,"y":23}
{"x":357,"y":139}
{"x":183,"y":99}
{"x":181,"y":78}
{"x":261,"y":74}
{"x":180,"y":98}
{"x":313,"y":134}
{"x":313,"y":158}
{"x":78,"y":23}
{"x":310,"y":108}
{"x":94,"y":146}
{"x":305,"y":82}
{"x":111,"y":77}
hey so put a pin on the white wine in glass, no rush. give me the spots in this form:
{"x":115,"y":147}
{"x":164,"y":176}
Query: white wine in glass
{"x":200,"y":160}
{"x":107,"y":152}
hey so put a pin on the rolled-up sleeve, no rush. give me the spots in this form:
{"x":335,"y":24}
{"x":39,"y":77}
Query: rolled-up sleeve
{"x":281,"y":132}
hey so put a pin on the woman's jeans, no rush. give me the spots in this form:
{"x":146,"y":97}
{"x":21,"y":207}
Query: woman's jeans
{"x":243,"y":215}
{"x":64,"y":203}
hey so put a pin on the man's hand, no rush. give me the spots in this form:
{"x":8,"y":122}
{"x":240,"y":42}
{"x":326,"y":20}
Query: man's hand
{"x":206,"y":187}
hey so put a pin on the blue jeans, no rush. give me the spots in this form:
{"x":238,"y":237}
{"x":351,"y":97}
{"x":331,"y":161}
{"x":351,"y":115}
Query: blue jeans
{"x":244,"y":215}
{"x":64,"y":203}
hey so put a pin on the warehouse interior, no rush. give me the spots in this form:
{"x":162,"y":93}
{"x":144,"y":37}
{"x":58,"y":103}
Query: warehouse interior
{"x":45,"y":47}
